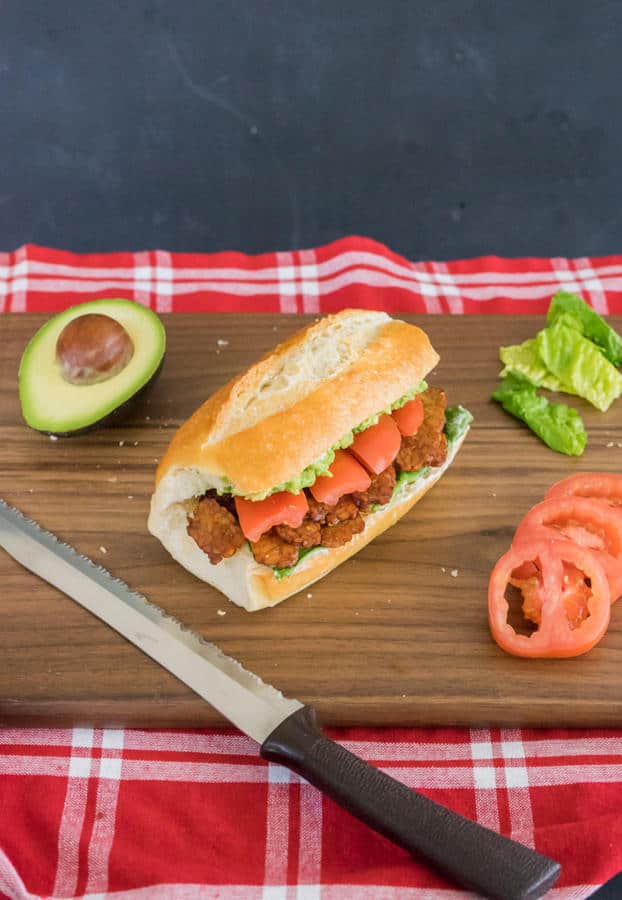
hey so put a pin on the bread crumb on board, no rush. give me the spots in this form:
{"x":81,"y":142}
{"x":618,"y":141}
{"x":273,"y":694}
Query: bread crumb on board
{"x":53,"y":437}
{"x":309,"y":595}
{"x":222,"y":343}
{"x":222,"y":612}
{"x":102,"y":549}
{"x":454,"y":573}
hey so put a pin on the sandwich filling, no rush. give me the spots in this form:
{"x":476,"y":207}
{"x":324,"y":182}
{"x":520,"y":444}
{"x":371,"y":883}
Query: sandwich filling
{"x":329,"y":506}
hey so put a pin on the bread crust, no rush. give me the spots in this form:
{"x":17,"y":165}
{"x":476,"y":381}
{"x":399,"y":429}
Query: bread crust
{"x":278,"y":447}
{"x":254,"y":586}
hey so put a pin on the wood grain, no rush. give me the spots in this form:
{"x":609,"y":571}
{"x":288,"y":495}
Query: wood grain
{"x":390,"y":637}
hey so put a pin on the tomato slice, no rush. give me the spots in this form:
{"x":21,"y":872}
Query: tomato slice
{"x":346,"y":476}
{"x":588,"y":522}
{"x":567,"y":598}
{"x":598,"y":485}
{"x":409,"y":417}
{"x":378,"y":445}
{"x":258,"y":516}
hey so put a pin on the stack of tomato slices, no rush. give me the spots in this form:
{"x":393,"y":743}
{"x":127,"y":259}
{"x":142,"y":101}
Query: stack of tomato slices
{"x":372,"y":451}
{"x":566,"y":561}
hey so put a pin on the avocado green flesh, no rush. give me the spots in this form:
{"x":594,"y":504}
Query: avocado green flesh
{"x":55,"y":406}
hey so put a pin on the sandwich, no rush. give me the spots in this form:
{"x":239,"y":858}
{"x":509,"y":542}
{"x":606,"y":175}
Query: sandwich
{"x":299,"y":462}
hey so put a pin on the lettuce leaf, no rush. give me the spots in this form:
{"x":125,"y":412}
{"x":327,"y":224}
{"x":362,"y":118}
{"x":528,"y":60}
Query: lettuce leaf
{"x":588,"y":322}
{"x":559,"y":426}
{"x":525,"y":359}
{"x":579,"y":364}
{"x":457,"y":420}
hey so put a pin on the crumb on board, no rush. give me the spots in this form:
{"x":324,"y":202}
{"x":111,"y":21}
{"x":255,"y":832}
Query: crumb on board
{"x":443,"y":569}
{"x":454,"y":573}
{"x":121,"y":443}
{"x":309,"y":595}
{"x":136,"y":443}
{"x":53,"y":437}
{"x":130,"y":496}
{"x":113,"y":479}
{"x":610,"y":444}
{"x":222,"y":612}
{"x":102,"y":549}
{"x":222,"y":343}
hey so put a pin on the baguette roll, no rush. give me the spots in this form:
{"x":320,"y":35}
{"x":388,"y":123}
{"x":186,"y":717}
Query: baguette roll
{"x":259,"y":432}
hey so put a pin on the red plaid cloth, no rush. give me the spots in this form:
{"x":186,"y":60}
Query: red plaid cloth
{"x":197,"y":814}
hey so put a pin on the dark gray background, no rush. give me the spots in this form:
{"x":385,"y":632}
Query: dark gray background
{"x":445,"y":128}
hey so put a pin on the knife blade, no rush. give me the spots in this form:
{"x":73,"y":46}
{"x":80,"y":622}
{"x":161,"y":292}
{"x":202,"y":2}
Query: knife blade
{"x":286,"y":730}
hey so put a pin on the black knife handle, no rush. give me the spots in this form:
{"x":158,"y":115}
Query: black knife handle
{"x":472,"y":855}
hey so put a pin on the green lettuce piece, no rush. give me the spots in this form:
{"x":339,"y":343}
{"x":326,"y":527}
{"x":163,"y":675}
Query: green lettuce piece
{"x":457,"y":420}
{"x":588,"y":322}
{"x":559,"y":426}
{"x":579,"y":363}
{"x":525,"y":359}
{"x":287,"y":570}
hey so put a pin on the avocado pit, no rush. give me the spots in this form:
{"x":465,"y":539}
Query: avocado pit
{"x":93,"y":348}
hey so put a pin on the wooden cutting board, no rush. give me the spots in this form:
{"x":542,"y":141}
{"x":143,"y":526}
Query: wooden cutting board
{"x":397,"y":635}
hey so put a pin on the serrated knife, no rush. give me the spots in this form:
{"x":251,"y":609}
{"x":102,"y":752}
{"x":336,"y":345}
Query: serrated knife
{"x":287,"y":731}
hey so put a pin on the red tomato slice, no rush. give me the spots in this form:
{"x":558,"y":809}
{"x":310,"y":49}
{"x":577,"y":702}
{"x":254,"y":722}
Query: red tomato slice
{"x":589,"y":523}
{"x":258,"y":516}
{"x":568,"y":599}
{"x":346,"y":476}
{"x":409,"y":417}
{"x":378,"y":445}
{"x":598,"y":485}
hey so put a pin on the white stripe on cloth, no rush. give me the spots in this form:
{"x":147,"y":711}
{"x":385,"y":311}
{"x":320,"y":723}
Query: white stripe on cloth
{"x":517,"y":782}
{"x":221,"y":744}
{"x":277,"y":832}
{"x":287,"y":283}
{"x":20,"y":286}
{"x":592,"y":286}
{"x":4,"y":280}
{"x":448,"y":287}
{"x":425,"y":284}
{"x":310,"y":840}
{"x":286,"y":289}
{"x":338,"y":263}
{"x":163,"y":282}
{"x":564,"y":274}
{"x":309,"y":287}
{"x":142,"y":280}
{"x":429,"y":777}
{"x":14,"y":888}
{"x":74,"y":809}
{"x":102,"y":835}
{"x":11,"y":884}
{"x":483,"y":778}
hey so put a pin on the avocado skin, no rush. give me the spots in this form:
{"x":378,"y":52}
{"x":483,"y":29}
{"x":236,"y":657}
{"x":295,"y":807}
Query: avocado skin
{"x":117,"y":415}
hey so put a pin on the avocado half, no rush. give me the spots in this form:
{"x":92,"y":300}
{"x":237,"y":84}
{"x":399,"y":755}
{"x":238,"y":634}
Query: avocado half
{"x":55,"y":406}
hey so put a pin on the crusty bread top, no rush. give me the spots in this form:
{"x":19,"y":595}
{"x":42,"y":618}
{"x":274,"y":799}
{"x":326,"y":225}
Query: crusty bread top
{"x":265,"y":426}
